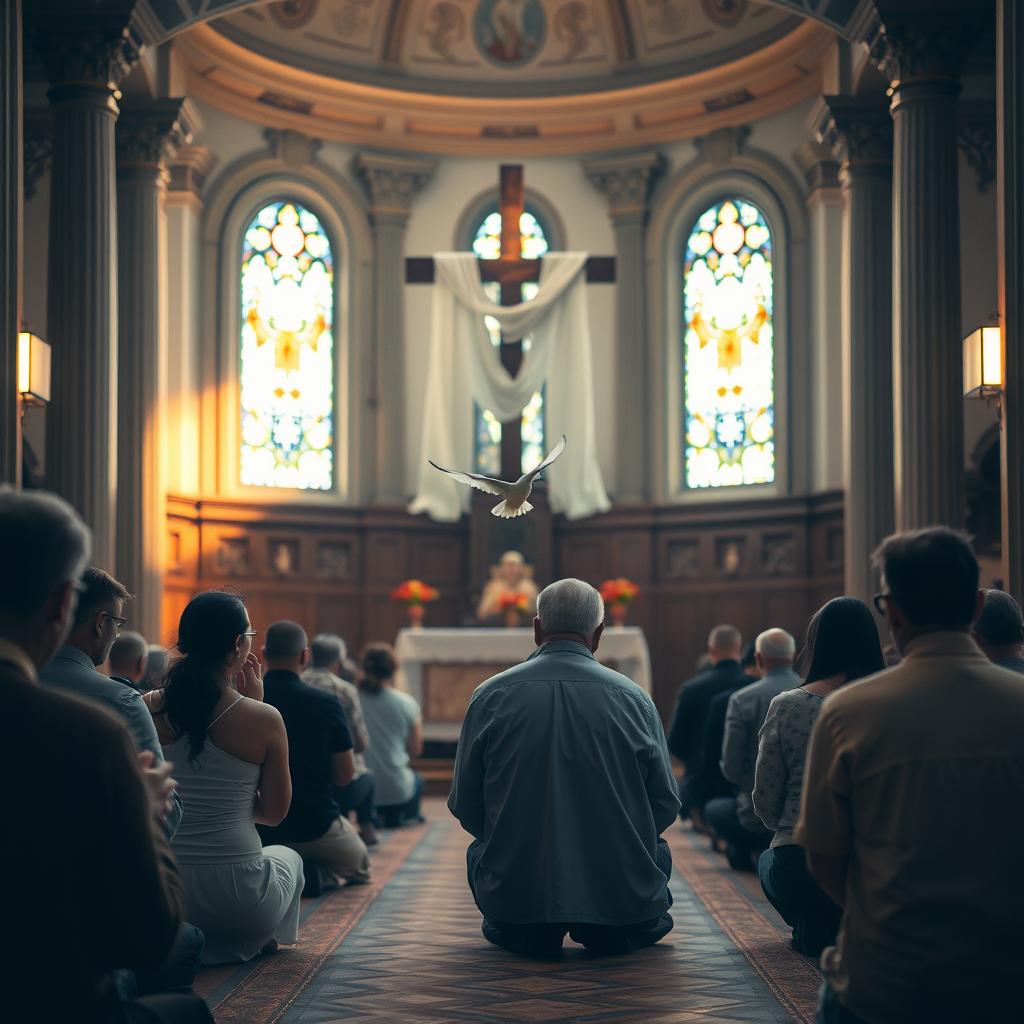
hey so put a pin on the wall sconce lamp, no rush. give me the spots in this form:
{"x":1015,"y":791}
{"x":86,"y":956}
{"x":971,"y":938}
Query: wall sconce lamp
{"x":33,"y":369}
{"x":983,"y":363}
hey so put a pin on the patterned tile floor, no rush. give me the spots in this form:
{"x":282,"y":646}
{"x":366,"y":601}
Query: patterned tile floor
{"x":415,"y":954}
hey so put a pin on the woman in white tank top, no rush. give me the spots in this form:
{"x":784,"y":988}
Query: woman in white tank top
{"x":230,"y":757}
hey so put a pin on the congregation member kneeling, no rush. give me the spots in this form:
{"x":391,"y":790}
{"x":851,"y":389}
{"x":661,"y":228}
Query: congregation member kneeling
{"x":563,"y":779}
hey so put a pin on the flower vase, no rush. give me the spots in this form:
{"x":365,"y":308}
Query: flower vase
{"x":511,"y":618}
{"x":618,"y":613}
{"x":416,"y":612}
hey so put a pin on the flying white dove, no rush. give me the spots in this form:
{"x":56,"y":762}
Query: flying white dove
{"x":514,"y":496}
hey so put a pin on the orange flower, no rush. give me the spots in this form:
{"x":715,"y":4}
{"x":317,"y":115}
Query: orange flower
{"x":619,"y":591}
{"x":414,"y":592}
{"x":512,"y":599}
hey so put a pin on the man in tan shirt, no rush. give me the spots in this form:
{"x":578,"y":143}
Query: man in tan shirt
{"x":906,"y":772}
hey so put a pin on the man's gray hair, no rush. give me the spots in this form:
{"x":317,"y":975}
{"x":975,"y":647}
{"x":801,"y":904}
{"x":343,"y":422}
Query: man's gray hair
{"x":327,"y":650}
{"x":126,"y":651}
{"x":775,"y":645}
{"x":43,"y":544}
{"x":725,"y":638}
{"x":570,"y":606}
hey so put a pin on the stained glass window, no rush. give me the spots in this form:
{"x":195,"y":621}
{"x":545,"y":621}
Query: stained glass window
{"x":287,"y":350}
{"x":487,"y":246}
{"x":728,"y":364}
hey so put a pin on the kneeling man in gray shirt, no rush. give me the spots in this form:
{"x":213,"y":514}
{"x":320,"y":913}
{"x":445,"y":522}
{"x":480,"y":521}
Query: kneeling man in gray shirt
{"x":563,"y":779}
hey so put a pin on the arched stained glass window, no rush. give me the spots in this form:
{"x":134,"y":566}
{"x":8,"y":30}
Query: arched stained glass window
{"x":287,"y":350}
{"x":487,"y":246}
{"x":728,"y":364}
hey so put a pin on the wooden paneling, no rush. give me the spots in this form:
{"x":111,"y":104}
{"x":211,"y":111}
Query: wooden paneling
{"x":754,"y":564}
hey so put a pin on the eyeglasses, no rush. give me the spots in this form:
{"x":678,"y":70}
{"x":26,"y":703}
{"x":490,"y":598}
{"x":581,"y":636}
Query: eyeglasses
{"x":879,"y":602}
{"x":118,"y":622}
{"x":251,"y":632}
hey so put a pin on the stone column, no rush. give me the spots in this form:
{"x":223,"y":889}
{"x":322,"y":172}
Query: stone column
{"x":861,"y":138}
{"x":84,"y":56}
{"x":921,"y":57}
{"x":11,"y":212}
{"x":391,"y":185}
{"x":145,"y":134}
{"x":626,"y":181}
{"x":1010,"y":177}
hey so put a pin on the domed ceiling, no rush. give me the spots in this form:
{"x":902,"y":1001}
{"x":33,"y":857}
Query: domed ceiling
{"x":506,"y":47}
{"x":504,"y":76}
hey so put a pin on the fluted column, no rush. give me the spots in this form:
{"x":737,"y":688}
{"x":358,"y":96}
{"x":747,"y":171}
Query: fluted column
{"x":626,"y":182}
{"x":1010,"y":177}
{"x":144,"y":136}
{"x":861,"y":138}
{"x":84,"y":56}
{"x":391,"y":185}
{"x":921,"y":56}
{"x":11,"y":213}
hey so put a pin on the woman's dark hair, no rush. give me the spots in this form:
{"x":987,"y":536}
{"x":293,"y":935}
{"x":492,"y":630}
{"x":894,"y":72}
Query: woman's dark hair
{"x":842,"y":638}
{"x":379,"y":664}
{"x":209,"y":626}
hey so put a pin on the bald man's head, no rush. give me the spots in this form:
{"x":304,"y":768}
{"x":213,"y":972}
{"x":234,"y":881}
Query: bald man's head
{"x":286,"y":647}
{"x":128,"y":656}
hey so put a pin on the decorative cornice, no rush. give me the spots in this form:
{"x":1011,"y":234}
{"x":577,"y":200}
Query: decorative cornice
{"x":38,"y":143}
{"x":977,"y":141}
{"x":392,"y":181}
{"x":918,"y":47}
{"x":857,"y":133}
{"x":626,"y":180}
{"x":92,"y":49}
{"x":190,"y":168}
{"x":148,"y":134}
{"x":820,"y":169}
{"x":723,"y":145}
{"x":293,"y":148}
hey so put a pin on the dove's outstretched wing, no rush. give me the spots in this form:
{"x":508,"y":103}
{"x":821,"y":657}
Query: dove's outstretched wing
{"x":482,"y":483}
{"x":551,"y":456}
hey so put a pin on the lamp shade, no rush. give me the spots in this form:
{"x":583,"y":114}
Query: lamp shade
{"x":983,"y":363}
{"x":33,"y":368}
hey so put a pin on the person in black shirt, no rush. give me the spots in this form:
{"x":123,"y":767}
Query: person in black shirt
{"x":686,"y":733}
{"x":319,"y":758}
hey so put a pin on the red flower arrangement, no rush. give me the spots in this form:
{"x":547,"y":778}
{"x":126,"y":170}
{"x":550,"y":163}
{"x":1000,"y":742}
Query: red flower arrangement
{"x":618,"y":592}
{"x":414,"y":593}
{"x":512,"y":600}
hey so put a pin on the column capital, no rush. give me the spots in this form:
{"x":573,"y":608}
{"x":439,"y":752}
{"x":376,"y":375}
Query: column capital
{"x":819,"y":167}
{"x":79,"y":49}
{"x":38,"y":148}
{"x":391,"y":182}
{"x":149,"y":133}
{"x":626,"y":180}
{"x":859,"y":134}
{"x":189,"y":168}
{"x":924,"y":49}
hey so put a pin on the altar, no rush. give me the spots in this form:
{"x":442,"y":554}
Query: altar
{"x":441,"y":668}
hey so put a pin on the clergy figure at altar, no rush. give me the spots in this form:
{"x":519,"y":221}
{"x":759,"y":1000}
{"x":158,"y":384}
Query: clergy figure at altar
{"x":510,"y":576}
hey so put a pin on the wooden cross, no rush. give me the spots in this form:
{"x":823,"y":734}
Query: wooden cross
{"x":511,"y":271}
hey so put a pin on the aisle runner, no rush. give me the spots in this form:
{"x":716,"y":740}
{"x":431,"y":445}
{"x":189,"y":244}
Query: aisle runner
{"x":736,"y":903}
{"x":260,"y":992}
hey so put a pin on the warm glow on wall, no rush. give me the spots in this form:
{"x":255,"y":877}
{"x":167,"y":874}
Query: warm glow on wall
{"x":33,"y":368}
{"x":983,"y":363}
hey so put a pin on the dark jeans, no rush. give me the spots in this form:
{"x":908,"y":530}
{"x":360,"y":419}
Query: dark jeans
{"x":357,"y":796}
{"x":545,"y":939}
{"x":799,"y":899}
{"x":395,"y":815}
{"x":167,"y":1009}
{"x":177,"y":975}
{"x":741,"y":842}
{"x":831,"y":1011}
{"x":687,"y":796}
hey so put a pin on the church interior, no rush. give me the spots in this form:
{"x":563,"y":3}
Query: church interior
{"x":271,"y":266}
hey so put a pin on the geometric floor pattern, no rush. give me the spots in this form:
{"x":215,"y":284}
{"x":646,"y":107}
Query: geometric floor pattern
{"x":411,"y":952}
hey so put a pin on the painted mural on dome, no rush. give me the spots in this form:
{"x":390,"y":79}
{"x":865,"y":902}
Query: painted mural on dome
{"x":509,"y":33}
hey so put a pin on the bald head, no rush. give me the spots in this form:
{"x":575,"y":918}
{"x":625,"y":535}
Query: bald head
{"x":725,"y":643}
{"x":775,"y":649}
{"x":286,"y":647}
{"x":128,"y":657}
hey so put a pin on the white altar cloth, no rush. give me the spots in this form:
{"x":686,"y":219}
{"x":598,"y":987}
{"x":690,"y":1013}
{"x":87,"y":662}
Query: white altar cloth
{"x":626,"y":646}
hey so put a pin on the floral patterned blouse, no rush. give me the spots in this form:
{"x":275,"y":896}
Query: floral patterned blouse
{"x":781,"y":753}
